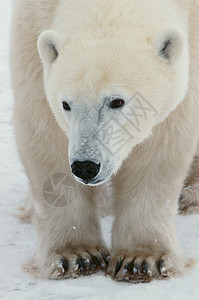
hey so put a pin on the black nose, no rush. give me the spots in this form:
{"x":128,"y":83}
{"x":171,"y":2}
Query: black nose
{"x":85,"y":170}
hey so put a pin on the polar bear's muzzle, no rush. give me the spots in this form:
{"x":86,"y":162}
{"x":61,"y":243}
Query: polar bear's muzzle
{"x":90,"y":161}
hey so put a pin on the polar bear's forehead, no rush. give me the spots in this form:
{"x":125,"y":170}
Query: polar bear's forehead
{"x":102,"y":66}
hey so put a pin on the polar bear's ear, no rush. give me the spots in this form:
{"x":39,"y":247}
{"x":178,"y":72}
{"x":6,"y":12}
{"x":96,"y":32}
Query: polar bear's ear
{"x":49,"y":44}
{"x":169,"y":45}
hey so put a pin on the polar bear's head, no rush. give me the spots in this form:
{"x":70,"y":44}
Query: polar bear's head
{"x":107,"y":95}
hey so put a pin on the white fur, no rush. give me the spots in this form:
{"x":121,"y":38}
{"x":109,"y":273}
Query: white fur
{"x":91,"y":53}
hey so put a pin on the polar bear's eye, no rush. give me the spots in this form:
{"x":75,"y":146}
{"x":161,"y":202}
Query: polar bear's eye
{"x":66,"y":106}
{"x":117,"y":103}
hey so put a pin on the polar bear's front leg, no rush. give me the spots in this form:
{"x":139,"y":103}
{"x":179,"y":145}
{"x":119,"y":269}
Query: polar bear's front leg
{"x":144,"y":243}
{"x":70,"y":239}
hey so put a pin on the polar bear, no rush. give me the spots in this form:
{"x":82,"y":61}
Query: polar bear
{"x":106,"y":102}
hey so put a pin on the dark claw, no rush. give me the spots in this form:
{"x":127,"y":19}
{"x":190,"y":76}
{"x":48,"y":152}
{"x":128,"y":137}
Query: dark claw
{"x":161,"y":264}
{"x":97,"y":261}
{"x":81,"y":264}
{"x":128,"y":267}
{"x":136,"y":268}
{"x":145,"y":268}
{"x":105,"y":258}
{"x":64,"y":264}
{"x":101,"y":262}
{"x":92,"y":264}
{"x":118,"y":266}
{"x":89,"y":263}
{"x":181,"y":197}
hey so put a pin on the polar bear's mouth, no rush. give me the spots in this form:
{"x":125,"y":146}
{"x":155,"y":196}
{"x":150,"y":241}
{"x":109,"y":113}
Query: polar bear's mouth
{"x":96,"y":182}
{"x":93,"y":182}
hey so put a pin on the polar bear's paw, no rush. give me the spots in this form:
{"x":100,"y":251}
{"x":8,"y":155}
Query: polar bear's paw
{"x":143,"y":268}
{"x":81,"y":262}
{"x":70,"y":264}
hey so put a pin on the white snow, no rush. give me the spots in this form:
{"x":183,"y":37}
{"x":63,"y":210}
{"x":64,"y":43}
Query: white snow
{"x":18,"y":241}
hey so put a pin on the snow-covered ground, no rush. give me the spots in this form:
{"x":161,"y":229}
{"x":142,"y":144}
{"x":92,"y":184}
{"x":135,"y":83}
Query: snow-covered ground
{"x":18,"y":241}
